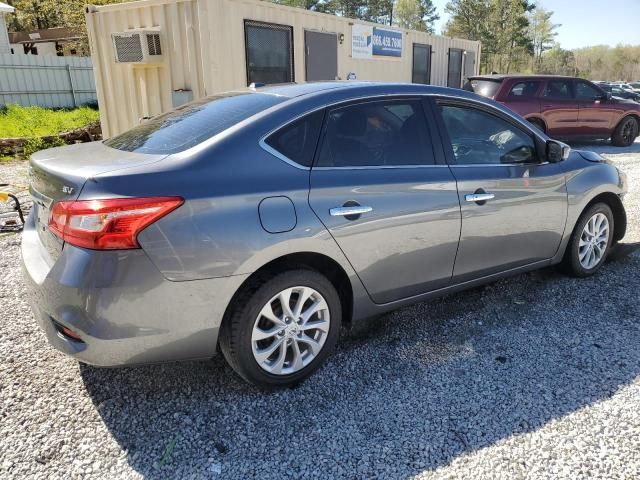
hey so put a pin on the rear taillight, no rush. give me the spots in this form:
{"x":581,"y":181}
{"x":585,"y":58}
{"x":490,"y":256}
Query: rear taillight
{"x":108,"y":224}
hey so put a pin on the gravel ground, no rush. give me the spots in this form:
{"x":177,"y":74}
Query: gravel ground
{"x":537,"y":376}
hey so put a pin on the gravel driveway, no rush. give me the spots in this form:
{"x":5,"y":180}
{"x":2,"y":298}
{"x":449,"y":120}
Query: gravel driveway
{"x":537,"y":376}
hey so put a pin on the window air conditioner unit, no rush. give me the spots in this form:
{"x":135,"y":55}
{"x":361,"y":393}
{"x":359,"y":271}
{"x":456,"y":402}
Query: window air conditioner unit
{"x":137,"y":46}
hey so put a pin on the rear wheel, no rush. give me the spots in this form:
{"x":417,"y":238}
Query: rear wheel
{"x":626,"y":132}
{"x":590,"y":241}
{"x":280,"y":332}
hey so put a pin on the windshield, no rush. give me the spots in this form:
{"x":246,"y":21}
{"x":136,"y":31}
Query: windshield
{"x":192,"y":123}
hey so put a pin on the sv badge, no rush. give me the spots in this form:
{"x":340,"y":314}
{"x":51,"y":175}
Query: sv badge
{"x":67,"y":190}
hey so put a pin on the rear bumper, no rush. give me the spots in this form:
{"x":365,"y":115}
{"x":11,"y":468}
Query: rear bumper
{"x":122,"y":308}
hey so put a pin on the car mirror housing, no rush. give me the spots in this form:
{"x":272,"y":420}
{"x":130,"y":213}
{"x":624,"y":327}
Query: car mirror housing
{"x":557,"y":151}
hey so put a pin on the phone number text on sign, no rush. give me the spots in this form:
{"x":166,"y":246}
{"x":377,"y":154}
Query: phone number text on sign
{"x":387,"y":43}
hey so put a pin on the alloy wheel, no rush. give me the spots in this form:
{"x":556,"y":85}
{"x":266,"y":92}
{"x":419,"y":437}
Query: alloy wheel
{"x":593,"y":241}
{"x":290,"y":330}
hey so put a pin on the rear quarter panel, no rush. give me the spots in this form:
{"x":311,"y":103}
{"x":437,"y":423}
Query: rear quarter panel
{"x":217,"y":232}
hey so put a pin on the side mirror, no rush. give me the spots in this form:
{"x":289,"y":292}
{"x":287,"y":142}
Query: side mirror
{"x":557,"y":151}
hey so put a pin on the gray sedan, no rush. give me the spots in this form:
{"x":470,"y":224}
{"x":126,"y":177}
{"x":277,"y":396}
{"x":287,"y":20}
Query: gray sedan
{"x":260,"y":222}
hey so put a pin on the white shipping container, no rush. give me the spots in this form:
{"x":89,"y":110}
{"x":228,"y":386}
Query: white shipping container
{"x":152,"y":55}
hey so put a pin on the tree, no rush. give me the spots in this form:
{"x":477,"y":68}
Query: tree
{"x":416,"y":15}
{"x":38,"y":14}
{"x":542,"y":33}
{"x":509,"y":24}
{"x":468,"y":19}
{"x":429,"y":15}
{"x":558,"y":61}
{"x":380,"y":11}
{"x":408,"y":15}
{"x":501,"y":25}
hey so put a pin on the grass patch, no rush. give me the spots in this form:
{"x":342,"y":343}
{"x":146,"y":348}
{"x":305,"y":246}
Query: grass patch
{"x":17,"y":121}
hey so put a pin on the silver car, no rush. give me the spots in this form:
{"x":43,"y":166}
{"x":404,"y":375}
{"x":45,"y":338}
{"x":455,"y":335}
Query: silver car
{"x":260,"y":222}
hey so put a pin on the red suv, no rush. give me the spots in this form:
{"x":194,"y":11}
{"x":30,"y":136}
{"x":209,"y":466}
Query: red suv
{"x":563,"y":107}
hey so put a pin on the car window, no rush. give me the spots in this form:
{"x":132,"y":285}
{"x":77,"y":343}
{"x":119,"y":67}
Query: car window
{"x":526,"y":89}
{"x":586,"y":91}
{"x":486,"y":88}
{"x":193,"y":123}
{"x":478,"y":138}
{"x":381,"y":133}
{"x":297,"y":141}
{"x":560,"y":89}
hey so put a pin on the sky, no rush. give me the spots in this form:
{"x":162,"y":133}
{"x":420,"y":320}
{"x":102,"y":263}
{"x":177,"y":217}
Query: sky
{"x":586,"y":22}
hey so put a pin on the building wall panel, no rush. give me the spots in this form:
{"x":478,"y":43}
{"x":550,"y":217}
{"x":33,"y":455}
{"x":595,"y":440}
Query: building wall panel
{"x":204,"y":51}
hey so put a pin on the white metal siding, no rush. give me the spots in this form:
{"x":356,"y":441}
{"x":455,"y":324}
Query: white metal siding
{"x":204,"y":51}
{"x":47,"y":81}
{"x":4,"y":36}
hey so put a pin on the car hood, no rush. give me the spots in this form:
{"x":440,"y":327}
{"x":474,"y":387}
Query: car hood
{"x":591,"y":156}
{"x":626,"y":101}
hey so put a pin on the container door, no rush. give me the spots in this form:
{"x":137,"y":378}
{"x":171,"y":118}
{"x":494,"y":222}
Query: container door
{"x":454,"y":74}
{"x":421,"y":71}
{"x":321,"y":55}
{"x":469,"y":65}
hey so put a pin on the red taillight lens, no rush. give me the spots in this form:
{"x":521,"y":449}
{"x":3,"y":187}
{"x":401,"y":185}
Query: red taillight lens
{"x":108,"y":224}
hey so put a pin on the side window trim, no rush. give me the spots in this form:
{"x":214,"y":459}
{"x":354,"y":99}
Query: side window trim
{"x":440,"y":162}
{"x":446,"y":141}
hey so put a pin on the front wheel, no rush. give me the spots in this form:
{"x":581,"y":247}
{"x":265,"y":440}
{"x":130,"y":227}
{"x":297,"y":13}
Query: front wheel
{"x":280,"y":332}
{"x":590,"y":241}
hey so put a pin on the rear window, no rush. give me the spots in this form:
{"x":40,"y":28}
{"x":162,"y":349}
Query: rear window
{"x":193,"y":123}
{"x":486,"y":88}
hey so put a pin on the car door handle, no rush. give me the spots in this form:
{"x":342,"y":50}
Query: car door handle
{"x":479,"y":197}
{"x":353,"y":210}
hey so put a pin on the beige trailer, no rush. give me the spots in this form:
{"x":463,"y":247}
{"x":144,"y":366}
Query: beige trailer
{"x":152,"y":55}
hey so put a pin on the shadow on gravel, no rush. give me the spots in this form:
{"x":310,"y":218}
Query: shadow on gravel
{"x":425,"y":385}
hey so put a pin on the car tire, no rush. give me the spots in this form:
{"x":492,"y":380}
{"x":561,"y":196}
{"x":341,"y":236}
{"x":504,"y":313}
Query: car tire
{"x":539,"y":124}
{"x":626,"y":132}
{"x":260,"y":312}
{"x":587,"y":237}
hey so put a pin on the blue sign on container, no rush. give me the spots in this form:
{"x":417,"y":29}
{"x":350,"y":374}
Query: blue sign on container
{"x":387,"y":43}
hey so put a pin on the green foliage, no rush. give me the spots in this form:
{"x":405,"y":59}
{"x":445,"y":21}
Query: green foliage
{"x":542,"y":32}
{"x":35,"y":144}
{"x":17,"y":121}
{"x":501,"y":25}
{"x":469,"y":19}
{"x":416,"y":15}
{"x":37,"y":14}
{"x":599,"y":62}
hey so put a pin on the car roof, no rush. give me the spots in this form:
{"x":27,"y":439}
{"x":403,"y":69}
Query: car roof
{"x":357,"y":88}
{"x":532,"y":76}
